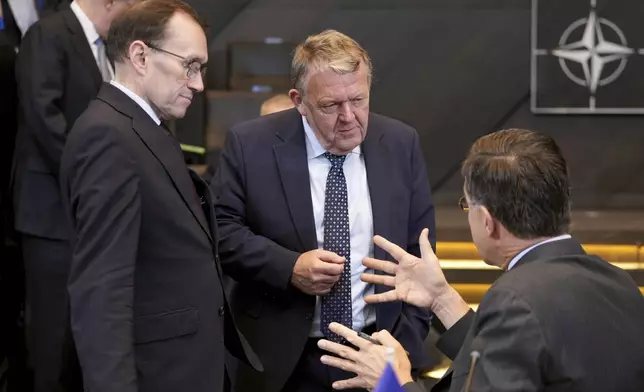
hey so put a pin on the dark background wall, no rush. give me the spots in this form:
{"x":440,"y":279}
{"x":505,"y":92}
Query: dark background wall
{"x":455,"y":70}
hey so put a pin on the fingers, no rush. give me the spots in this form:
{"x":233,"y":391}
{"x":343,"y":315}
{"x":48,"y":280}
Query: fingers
{"x":331,"y":269}
{"x":338,"y":349}
{"x":426,"y":250}
{"x":388,"y":296}
{"x":394,"y":250}
{"x":379,"y":279}
{"x":380,"y":265}
{"x":386,"y":339}
{"x":350,"y":335}
{"x":352,"y":383}
{"x":330,"y":257}
{"x":326,"y":280}
{"x":339,"y":363}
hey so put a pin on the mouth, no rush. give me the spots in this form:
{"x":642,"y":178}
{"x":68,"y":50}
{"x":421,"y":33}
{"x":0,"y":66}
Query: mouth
{"x":188,"y":98}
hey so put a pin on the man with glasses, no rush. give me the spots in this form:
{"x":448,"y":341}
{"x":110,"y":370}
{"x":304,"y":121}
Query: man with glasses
{"x":148,"y":309}
{"x":60,"y":68}
{"x":536,"y":328}
{"x":301,"y":194}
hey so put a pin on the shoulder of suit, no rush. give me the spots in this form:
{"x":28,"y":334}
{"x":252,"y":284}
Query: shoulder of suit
{"x":538,"y":278}
{"x":100,"y":115}
{"x":50,"y":27}
{"x":391,"y":127}
{"x":267,"y":125}
{"x":390,"y":123}
{"x":54,"y":22}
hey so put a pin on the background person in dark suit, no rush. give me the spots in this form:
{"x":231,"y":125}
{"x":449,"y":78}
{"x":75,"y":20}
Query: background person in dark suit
{"x":12,"y":348}
{"x":536,"y":328}
{"x":13,"y":353}
{"x":57,"y":74}
{"x":300,"y":195}
{"x":147,"y":305}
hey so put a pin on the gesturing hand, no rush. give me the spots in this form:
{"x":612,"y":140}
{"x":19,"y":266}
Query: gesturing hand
{"x":418,"y":281}
{"x":367,"y":360}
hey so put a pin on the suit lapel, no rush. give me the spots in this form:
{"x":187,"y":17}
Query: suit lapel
{"x":162,"y":146}
{"x":81,"y":45}
{"x":378,"y":165}
{"x":291,"y":159}
{"x":377,"y":162}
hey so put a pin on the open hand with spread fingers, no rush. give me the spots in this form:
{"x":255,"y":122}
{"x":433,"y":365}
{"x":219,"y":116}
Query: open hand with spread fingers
{"x":418,"y":281}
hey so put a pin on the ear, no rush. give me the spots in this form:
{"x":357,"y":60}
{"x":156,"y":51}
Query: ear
{"x":137,"y":53}
{"x":297,"y":100}
{"x":491,"y":224}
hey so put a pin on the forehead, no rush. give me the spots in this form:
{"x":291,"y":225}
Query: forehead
{"x":325,"y":82}
{"x":184,"y":36}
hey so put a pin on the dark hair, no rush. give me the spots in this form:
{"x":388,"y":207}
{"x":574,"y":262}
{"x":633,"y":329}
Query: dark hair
{"x":521,"y":177}
{"x":145,"y":21}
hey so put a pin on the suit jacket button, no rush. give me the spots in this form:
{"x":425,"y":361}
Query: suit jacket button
{"x":309,"y":317}
{"x":221,"y":311}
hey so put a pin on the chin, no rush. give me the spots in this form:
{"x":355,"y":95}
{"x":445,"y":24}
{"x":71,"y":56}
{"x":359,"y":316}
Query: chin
{"x":177,"y":114}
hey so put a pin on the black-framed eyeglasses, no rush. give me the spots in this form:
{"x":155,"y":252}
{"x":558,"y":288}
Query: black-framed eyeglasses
{"x":462,"y":202}
{"x":193,"y":67}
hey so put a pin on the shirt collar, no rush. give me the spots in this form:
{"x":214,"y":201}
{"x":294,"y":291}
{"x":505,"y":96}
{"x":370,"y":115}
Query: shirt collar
{"x":88,"y":27}
{"x":518,"y":257}
{"x":144,"y":105}
{"x":313,"y":147}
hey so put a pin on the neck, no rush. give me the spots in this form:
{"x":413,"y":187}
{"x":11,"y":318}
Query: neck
{"x":90,"y":10}
{"x":515,"y":246}
{"x":133,"y":84}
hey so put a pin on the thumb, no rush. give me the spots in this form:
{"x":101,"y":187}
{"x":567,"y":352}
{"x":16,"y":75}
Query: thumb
{"x":330,"y":257}
{"x":426,"y":251}
{"x":385,"y":338}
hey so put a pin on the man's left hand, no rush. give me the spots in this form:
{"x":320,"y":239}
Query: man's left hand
{"x":368,"y":362}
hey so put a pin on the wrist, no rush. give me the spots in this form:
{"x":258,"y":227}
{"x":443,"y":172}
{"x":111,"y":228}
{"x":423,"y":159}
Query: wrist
{"x":449,"y":307}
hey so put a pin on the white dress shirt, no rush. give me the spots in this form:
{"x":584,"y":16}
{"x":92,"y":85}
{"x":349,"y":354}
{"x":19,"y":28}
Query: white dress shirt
{"x":518,"y":257}
{"x":360,"y":223}
{"x":24,"y":12}
{"x":140,"y":101}
{"x":90,"y":32}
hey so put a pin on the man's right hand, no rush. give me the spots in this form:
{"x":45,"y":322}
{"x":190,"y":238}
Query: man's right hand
{"x":418,"y":281}
{"x":316,"y":271}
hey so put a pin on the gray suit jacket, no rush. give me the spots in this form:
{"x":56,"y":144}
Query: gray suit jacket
{"x":560,"y":320}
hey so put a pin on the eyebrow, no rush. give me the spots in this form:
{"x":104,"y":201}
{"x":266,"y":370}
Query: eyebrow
{"x":192,"y":59}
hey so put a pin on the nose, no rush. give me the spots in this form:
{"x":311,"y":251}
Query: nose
{"x":196,"y":84}
{"x":346,"y":112}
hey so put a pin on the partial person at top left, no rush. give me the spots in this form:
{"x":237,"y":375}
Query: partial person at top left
{"x":18,"y":15}
{"x":61,"y":66}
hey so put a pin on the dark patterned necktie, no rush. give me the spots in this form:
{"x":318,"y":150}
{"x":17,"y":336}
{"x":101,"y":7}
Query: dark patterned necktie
{"x":336,"y":306}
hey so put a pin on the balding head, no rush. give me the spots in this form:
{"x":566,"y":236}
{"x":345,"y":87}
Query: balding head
{"x":276,"y":103}
{"x":102,"y":12}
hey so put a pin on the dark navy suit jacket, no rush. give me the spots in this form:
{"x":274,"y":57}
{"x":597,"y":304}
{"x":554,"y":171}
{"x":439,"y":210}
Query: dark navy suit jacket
{"x":265,"y":216}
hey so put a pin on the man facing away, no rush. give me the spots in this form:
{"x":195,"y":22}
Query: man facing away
{"x":148,"y":310}
{"x":558,"y":319}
